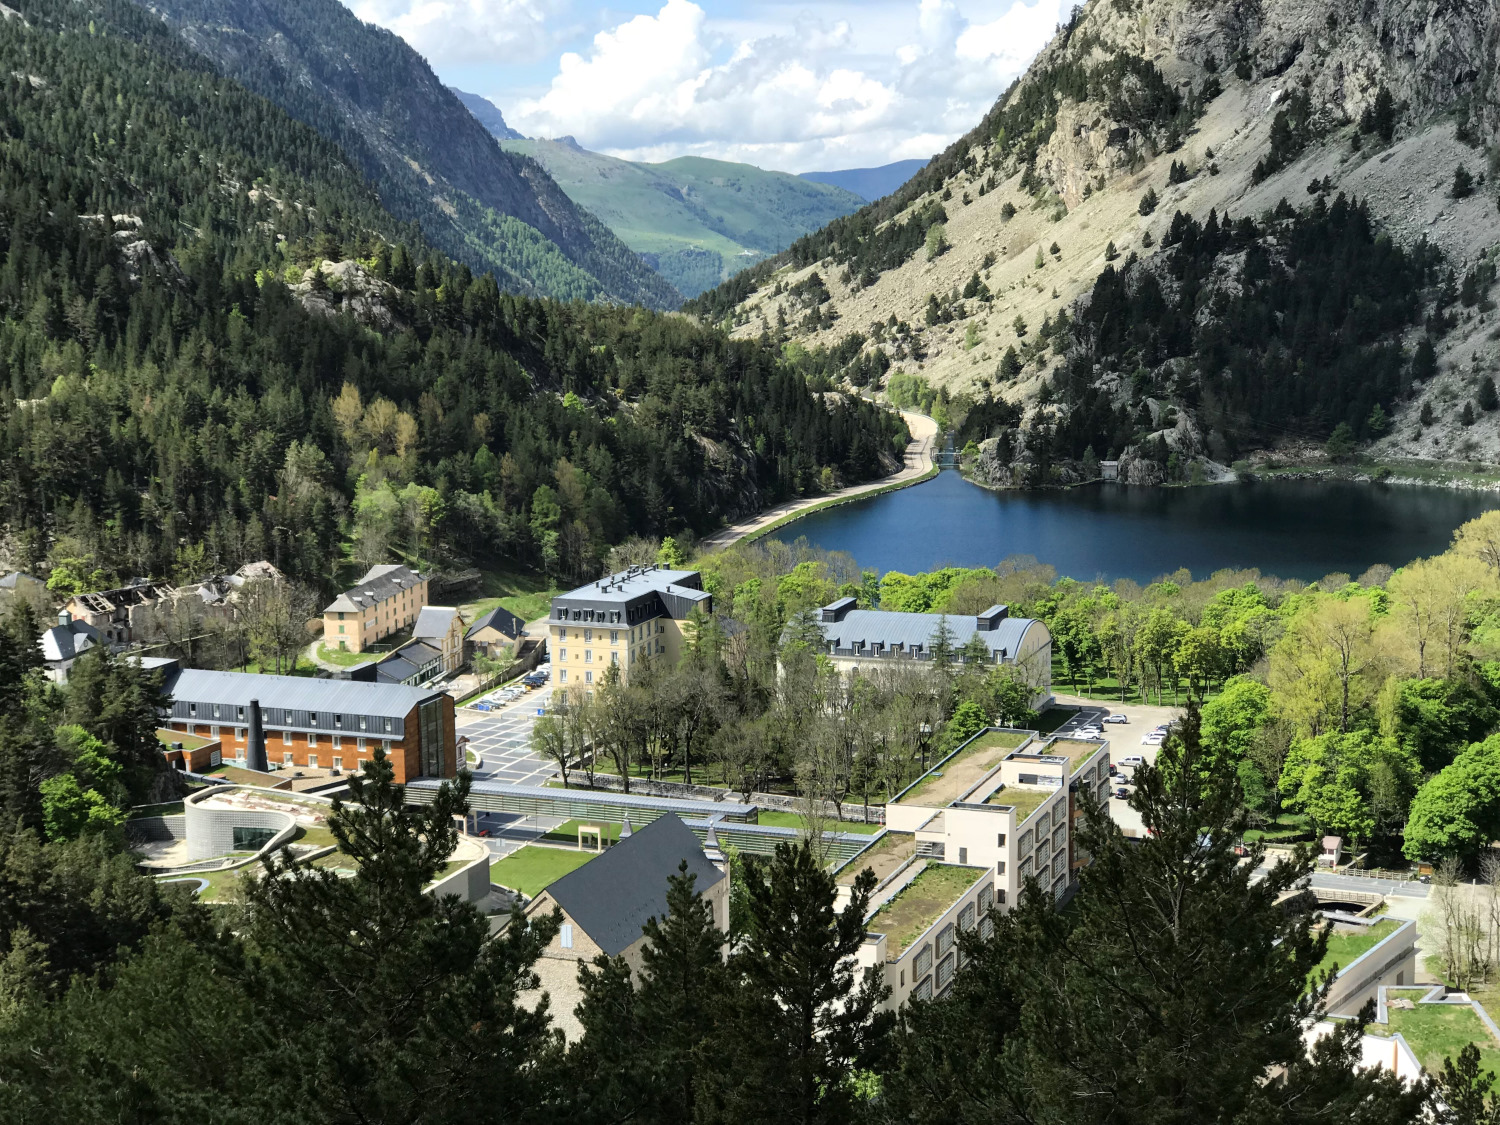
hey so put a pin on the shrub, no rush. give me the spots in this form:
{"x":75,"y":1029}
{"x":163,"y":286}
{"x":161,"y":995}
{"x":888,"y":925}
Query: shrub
{"x":1463,"y":183}
{"x":1148,"y":202}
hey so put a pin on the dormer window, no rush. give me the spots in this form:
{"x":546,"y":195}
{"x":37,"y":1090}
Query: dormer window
{"x":338,"y":720}
{"x":312,"y":718}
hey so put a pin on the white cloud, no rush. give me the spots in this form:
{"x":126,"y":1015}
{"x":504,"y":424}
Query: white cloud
{"x":450,"y":32}
{"x":797,"y":85}
{"x":812,"y":93}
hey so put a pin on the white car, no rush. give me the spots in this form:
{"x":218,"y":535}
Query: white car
{"x":1088,"y":732}
{"x":1131,"y":762}
{"x":1116,"y":719}
{"x":1153,"y":739}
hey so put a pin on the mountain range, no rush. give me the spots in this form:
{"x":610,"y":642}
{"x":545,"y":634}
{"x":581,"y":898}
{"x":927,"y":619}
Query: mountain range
{"x":1184,"y":236}
{"x":870,"y":184}
{"x":433,"y":162}
{"x":695,"y":221}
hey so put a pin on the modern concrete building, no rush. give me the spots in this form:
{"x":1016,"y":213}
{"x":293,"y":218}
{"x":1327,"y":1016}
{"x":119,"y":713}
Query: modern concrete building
{"x":999,"y":810}
{"x":856,"y":638}
{"x":387,"y":600}
{"x":638,"y":614}
{"x":318,"y":724}
{"x":605,"y":903}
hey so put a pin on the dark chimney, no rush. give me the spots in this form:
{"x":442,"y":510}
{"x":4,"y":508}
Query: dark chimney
{"x":255,"y":746}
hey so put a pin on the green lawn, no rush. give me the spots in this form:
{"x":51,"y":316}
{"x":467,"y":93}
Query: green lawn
{"x":1288,"y":827}
{"x":525,"y":593}
{"x":1439,"y":1031}
{"x":1344,"y":948}
{"x":919,"y":904}
{"x":777,"y":819}
{"x":346,"y":659}
{"x":567,"y":832}
{"x":1106,"y":689}
{"x":532,"y":868}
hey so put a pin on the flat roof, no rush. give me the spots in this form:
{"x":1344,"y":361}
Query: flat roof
{"x":883,"y":857}
{"x":167,"y":736}
{"x":908,"y":914}
{"x":951,"y":778}
{"x":1026,"y":801}
{"x":1076,"y":750}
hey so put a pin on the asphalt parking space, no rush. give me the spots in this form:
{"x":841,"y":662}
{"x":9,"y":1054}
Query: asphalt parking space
{"x":502,"y":739}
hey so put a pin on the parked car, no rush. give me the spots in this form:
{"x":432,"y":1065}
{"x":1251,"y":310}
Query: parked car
{"x":1088,"y":732}
{"x":1153,"y":739}
{"x":1122,"y":792}
{"x":1113,"y":769}
{"x":1116,"y":719}
{"x":1132,"y":761}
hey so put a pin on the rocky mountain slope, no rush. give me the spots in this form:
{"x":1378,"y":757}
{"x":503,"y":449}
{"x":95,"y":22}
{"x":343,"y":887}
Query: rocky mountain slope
{"x":1140,"y":109}
{"x":488,"y":114}
{"x":695,"y":221}
{"x":434,"y":163}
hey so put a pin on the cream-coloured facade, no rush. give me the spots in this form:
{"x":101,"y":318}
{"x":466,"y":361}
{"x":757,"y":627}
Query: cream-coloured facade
{"x":640,"y":614}
{"x":387,"y":600}
{"x":1004,"y":805}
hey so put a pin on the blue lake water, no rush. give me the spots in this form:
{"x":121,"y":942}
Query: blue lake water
{"x":1291,"y":529}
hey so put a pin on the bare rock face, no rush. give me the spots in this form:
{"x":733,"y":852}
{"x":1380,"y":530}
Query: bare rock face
{"x":347,"y":288}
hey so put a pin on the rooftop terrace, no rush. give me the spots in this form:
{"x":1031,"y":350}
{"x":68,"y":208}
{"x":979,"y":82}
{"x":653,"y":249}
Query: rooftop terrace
{"x":950,"y":780}
{"x":1076,"y":750}
{"x":888,"y":853}
{"x":921,"y":903}
{"x":1025,"y":801}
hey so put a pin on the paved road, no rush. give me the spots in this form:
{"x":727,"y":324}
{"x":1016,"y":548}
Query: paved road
{"x":502,"y":739}
{"x":918,"y":461}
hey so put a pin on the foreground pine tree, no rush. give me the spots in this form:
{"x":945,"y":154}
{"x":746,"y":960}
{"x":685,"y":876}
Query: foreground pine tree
{"x":1173,"y":990}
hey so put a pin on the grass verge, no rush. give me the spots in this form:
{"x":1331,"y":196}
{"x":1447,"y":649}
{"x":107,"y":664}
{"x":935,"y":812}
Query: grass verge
{"x":531,"y":869}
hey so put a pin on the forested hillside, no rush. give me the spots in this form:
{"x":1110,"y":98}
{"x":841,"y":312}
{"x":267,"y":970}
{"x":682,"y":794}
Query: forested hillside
{"x":218,"y":347}
{"x":369,"y":92}
{"x":695,"y":221}
{"x":1069,"y":196}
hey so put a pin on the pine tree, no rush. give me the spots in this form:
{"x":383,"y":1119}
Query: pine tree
{"x":801,"y":1023}
{"x":1487,"y":398}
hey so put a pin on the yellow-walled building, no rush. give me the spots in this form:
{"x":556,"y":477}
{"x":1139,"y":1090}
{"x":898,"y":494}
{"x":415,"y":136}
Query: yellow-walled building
{"x":387,"y":600}
{"x":638,"y":614}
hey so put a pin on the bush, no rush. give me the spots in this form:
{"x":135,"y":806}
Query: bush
{"x":1463,"y":183}
{"x":1007,"y":211}
{"x":1427,"y":417}
{"x":1110,"y":253}
{"x":1467,"y":417}
{"x":1148,"y":202}
{"x":937,"y":240}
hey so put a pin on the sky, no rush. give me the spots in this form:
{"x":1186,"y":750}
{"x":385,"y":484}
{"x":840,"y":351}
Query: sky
{"x":795,"y":87}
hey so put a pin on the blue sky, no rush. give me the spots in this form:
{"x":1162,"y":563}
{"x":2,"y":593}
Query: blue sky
{"x":798,"y":87}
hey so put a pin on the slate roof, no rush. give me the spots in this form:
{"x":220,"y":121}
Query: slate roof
{"x":406,"y":662}
{"x":63,"y":643}
{"x":611,"y":897}
{"x":378,"y":584}
{"x":500,"y":619}
{"x":433,"y":621}
{"x":902,"y":631}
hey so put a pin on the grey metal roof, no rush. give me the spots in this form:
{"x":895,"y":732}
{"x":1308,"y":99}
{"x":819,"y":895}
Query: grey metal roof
{"x":500,"y":619}
{"x":433,"y":621}
{"x":378,"y":584}
{"x":903,"y":631}
{"x":296,"y":693}
{"x":645,"y":592}
{"x":729,"y":810}
{"x":406,"y":661}
{"x":613,"y":895}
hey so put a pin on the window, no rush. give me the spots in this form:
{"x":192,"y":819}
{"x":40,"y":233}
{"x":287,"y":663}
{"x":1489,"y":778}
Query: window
{"x":240,"y":713}
{"x":588,"y":677}
{"x":338,"y":721}
{"x":338,"y":742}
{"x":312,"y":740}
{"x":614,"y":636}
{"x":286,"y":759}
{"x":312,"y":718}
{"x":1000,"y":840}
{"x":252,"y":839}
{"x":361,"y":745}
{"x":963,"y":856}
{"x":1000,"y":868}
{"x":562,"y":654}
{"x":903,"y":978}
{"x":312,"y":761}
{"x":588,"y":656}
{"x":239,"y":734}
{"x":1025,"y":845}
{"x":966,"y":917}
{"x":341,"y":628}
{"x":923,"y":962}
{"x":588,"y":635}
{"x":945,"y":971}
{"x":286,"y":738}
{"x":614,"y":658}
{"x":562,"y":677}
{"x":364,"y":722}
{"x":999,"y":898}
{"x":565,"y":935}
{"x":986,"y":897}
{"x":945,"y":939}
{"x":386,"y":745}
{"x":562,"y":634}
{"x":923,"y":991}
{"x":192,"y":710}
{"x":338,"y":763}
{"x":387,"y":724}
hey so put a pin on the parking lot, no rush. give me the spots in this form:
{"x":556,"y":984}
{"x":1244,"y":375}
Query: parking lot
{"x":502,"y":739}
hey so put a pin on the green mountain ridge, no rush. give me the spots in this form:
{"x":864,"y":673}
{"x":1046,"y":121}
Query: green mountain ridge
{"x":696,"y":221}
{"x":434,"y":163}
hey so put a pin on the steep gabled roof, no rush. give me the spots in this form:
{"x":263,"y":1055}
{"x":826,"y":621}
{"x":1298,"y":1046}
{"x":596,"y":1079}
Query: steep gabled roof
{"x":612,"y":896}
{"x":433,"y":622}
{"x":501,"y":620}
{"x":378,"y":584}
